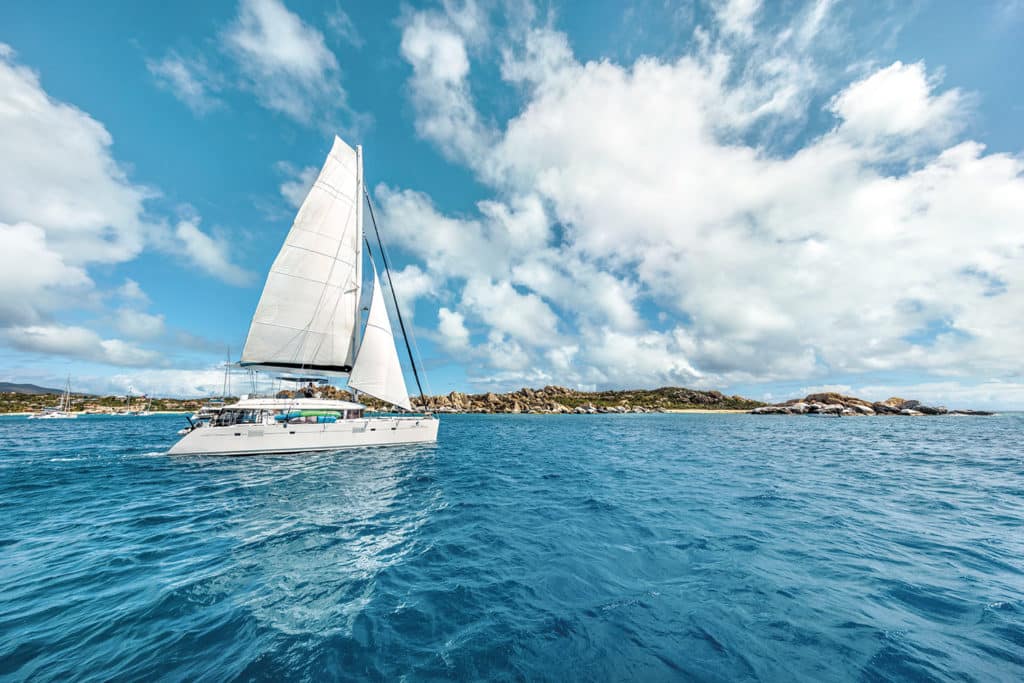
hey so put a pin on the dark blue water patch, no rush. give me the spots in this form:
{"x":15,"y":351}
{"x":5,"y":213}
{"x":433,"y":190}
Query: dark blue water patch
{"x":647,"y":547}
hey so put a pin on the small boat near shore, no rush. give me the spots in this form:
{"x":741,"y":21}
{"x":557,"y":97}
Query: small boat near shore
{"x":308,"y":322}
{"x":61,"y":411}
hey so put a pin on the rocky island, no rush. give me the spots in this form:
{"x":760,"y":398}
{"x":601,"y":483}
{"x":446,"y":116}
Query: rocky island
{"x":562,"y":400}
{"x":840,"y":405}
{"x":548,"y":400}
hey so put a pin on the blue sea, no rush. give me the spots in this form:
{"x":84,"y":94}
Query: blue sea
{"x":521,"y":547}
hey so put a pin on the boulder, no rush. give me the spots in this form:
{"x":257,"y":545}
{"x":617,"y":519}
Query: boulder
{"x":933,"y":410}
{"x":770,"y":410}
{"x":832,"y":398}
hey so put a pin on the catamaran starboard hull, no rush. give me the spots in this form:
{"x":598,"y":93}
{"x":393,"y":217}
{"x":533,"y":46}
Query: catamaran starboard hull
{"x":261,"y":439}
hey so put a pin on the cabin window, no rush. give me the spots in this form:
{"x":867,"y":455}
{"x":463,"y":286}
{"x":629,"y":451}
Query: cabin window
{"x":228,"y":418}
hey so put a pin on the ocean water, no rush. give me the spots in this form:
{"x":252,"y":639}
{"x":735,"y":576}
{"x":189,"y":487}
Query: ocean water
{"x":619,"y":547}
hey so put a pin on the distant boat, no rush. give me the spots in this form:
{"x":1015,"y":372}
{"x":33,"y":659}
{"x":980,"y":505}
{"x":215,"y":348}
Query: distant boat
{"x":127,"y":410}
{"x":62,"y":411}
{"x":145,"y":412}
{"x":307,"y":322}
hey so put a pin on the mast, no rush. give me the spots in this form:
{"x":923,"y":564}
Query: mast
{"x":391,"y":285}
{"x":225,"y":390}
{"x":357,"y":322}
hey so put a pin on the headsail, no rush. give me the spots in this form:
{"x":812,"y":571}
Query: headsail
{"x":308,"y":314}
{"x":377,"y":370}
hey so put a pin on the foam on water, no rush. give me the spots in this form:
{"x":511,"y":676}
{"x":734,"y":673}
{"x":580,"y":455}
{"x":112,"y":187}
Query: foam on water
{"x":646,"y":547}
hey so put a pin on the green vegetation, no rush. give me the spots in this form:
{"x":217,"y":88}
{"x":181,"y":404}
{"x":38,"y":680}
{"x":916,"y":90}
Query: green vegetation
{"x":548,"y":399}
{"x":668,"y":398}
{"x":11,"y":402}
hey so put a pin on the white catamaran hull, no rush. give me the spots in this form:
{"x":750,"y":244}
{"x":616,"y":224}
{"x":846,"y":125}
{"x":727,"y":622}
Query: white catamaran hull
{"x":257,"y":439}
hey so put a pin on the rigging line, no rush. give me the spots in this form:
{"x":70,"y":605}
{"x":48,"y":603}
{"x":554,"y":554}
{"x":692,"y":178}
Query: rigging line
{"x":412,"y":336}
{"x":416,"y":347}
{"x":394,"y":297}
{"x":369,"y":252}
{"x":412,"y":326}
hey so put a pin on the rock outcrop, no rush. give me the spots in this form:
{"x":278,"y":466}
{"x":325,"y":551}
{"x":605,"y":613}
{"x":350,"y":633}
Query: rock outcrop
{"x":562,"y":400}
{"x":840,"y":405}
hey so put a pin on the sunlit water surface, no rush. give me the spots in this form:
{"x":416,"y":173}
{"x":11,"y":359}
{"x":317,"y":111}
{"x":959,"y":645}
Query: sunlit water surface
{"x":647,"y":547}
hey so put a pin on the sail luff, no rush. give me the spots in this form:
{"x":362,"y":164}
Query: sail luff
{"x":307,"y":316}
{"x":357,"y":313}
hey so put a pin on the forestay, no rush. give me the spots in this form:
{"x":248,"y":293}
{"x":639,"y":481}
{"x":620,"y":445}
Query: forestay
{"x":308,"y":314}
{"x":377,"y":370}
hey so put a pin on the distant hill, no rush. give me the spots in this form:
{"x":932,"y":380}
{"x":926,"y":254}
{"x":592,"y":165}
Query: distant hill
{"x":10,"y":387}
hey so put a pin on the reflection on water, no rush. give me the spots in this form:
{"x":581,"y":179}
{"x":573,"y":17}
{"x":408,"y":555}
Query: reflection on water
{"x":324,"y":542}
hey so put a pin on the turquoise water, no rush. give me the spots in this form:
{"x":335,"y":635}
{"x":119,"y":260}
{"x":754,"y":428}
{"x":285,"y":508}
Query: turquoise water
{"x":632,"y":547}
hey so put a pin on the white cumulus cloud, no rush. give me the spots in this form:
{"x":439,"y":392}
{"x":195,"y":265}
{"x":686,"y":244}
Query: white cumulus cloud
{"x":672,"y":247}
{"x":209,"y":253}
{"x":77,"y":342}
{"x":190,"y":80}
{"x":285,"y":62}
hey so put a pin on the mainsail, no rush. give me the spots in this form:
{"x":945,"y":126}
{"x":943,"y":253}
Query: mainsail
{"x":377,"y":370}
{"x":308,"y":314}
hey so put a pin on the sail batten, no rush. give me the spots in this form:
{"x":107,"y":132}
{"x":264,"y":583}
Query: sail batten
{"x":377,"y":370}
{"x":308,"y":313}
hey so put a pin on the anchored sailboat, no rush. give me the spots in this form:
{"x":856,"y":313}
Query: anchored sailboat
{"x":62,"y":411}
{"x":307,"y":322}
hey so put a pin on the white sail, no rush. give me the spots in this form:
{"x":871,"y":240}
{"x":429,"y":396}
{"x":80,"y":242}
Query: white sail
{"x":377,"y":370}
{"x":308,"y":314}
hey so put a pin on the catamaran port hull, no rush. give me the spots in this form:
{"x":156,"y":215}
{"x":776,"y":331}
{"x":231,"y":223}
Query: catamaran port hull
{"x":261,"y":439}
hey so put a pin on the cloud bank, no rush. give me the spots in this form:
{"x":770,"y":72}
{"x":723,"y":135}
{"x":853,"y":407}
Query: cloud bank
{"x":644,"y":230}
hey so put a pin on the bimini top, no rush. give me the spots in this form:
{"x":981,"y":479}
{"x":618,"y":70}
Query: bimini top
{"x":294,"y":404}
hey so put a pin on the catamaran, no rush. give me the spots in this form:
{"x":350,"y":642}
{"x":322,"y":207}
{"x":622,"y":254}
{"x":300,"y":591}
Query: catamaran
{"x":62,"y":411}
{"x":307,"y":322}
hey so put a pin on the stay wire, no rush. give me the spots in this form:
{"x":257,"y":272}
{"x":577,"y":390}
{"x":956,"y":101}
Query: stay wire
{"x":398,"y":311}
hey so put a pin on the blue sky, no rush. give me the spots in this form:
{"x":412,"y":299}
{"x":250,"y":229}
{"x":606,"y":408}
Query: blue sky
{"x":763,"y":198}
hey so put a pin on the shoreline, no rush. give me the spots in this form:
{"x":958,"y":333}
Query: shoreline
{"x":80,"y":414}
{"x":722,"y":411}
